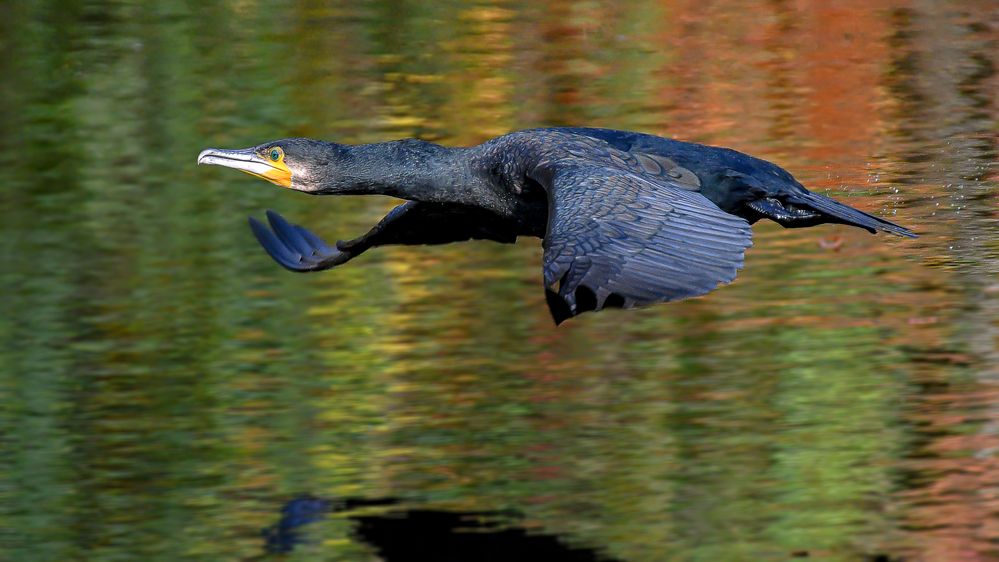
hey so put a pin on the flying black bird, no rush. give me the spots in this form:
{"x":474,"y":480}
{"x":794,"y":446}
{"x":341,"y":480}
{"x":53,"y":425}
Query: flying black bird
{"x":628,"y":219}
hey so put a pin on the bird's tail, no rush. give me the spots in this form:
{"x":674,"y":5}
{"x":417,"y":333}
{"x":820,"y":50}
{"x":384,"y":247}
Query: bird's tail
{"x":835,"y":211}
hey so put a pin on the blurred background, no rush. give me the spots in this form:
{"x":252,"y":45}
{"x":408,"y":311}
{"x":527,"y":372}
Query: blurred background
{"x":165,"y":388}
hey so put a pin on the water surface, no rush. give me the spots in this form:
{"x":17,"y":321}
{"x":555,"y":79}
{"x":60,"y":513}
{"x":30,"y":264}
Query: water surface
{"x":165,"y":388}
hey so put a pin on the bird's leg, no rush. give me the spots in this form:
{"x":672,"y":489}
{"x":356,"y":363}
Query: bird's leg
{"x":786,"y":215}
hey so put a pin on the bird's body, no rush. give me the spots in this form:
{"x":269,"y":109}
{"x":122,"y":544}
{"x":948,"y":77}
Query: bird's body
{"x":627,"y":219}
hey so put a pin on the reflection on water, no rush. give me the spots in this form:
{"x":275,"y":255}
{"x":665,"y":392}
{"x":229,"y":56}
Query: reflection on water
{"x":163,"y":385}
{"x":417,"y":535}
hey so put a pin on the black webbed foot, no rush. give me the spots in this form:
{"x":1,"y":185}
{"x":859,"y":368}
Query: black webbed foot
{"x":294,"y":247}
{"x":785,"y":214}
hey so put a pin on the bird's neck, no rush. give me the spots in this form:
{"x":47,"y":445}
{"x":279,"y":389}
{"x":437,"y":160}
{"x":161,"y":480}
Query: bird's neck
{"x":409,"y":169}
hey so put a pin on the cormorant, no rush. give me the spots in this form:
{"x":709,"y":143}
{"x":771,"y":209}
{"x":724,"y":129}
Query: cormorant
{"x":628,"y":219}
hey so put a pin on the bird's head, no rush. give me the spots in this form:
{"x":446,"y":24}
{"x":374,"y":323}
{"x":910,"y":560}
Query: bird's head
{"x":299,"y":164}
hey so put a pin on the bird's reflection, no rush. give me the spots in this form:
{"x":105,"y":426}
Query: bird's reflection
{"x":425,"y":535}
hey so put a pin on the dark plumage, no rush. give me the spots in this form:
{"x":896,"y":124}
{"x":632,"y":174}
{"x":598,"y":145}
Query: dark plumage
{"x":627,"y":219}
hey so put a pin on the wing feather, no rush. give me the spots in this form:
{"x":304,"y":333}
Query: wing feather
{"x":644,"y":239}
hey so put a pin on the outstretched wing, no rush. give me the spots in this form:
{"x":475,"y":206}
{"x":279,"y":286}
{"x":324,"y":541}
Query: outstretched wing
{"x":411,"y":223}
{"x":616,"y":238}
{"x":294,"y":247}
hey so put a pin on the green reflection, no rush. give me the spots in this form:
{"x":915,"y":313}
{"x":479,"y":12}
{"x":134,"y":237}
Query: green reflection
{"x":164,"y":388}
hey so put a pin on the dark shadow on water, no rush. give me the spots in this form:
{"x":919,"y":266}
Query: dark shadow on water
{"x":425,"y":535}
{"x":430,"y":535}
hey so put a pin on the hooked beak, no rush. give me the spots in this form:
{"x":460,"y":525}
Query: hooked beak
{"x":247,"y":160}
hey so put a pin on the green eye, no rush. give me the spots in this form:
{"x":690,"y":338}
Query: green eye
{"x":275,"y":154}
